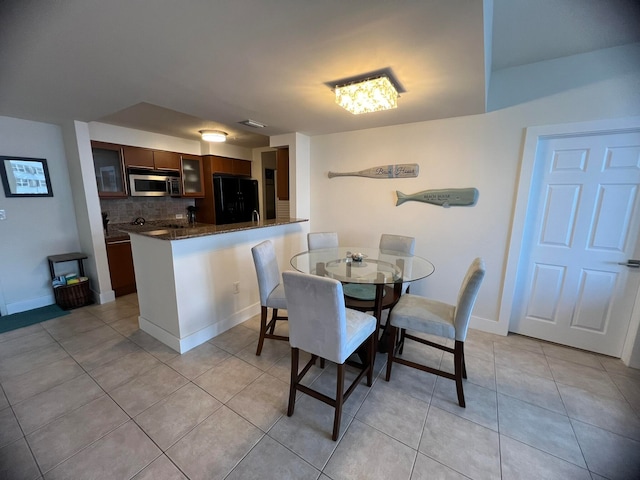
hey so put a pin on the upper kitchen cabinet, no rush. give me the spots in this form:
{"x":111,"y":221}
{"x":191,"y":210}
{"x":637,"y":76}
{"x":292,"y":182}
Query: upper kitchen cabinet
{"x":138,"y":157}
{"x":282,"y":179}
{"x":192,"y":176}
{"x":109,"y":169}
{"x":231,"y":166}
{"x":166,"y":160}
{"x":242,"y":167}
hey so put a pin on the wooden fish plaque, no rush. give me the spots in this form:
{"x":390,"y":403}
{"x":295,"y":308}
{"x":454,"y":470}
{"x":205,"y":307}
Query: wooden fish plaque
{"x":401,"y":170}
{"x":447,"y":197}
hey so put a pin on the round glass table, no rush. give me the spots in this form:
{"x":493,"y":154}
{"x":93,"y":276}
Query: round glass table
{"x":372,"y":278}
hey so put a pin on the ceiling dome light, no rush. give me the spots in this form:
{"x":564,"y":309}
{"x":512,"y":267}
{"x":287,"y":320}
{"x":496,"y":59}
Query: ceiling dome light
{"x":213,"y":135}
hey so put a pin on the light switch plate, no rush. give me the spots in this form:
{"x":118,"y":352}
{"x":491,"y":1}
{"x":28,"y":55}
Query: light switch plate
{"x":3,"y":215}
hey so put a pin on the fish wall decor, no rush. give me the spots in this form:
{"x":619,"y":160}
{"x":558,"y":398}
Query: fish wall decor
{"x":401,"y":170}
{"x":447,"y":197}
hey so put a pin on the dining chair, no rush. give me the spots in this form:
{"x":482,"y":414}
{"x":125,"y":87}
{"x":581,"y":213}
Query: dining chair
{"x":320,"y":324}
{"x":271,"y":291}
{"x":398,"y":243}
{"x":317,"y":240}
{"x":366,"y":302}
{"x":420,"y":314}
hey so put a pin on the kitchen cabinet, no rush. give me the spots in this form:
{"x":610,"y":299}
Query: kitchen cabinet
{"x":123,"y":278}
{"x":241,"y":167}
{"x":138,"y":157}
{"x":109,"y":169}
{"x":192,"y":176}
{"x":282,"y":173}
{"x":231,"y":166}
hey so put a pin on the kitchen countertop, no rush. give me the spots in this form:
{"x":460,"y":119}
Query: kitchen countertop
{"x":177,"y":230}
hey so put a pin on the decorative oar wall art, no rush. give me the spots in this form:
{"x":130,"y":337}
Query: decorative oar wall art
{"x":447,"y":197}
{"x":401,"y":170}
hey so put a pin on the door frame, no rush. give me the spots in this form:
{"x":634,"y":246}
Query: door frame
{"x":533,"y":135}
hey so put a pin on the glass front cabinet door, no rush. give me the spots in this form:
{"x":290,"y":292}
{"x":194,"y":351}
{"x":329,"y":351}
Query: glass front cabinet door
{"x":192,"y":176}
{"x":109,"y":169}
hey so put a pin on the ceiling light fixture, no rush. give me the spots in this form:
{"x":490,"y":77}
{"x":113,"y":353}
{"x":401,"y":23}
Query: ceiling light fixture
{"x":252,"y":123}
{"x":367,"y":95}
{"x":213,"y":135}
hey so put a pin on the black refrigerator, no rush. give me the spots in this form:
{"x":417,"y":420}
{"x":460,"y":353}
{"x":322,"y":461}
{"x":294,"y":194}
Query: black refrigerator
{"x":235,"y":198}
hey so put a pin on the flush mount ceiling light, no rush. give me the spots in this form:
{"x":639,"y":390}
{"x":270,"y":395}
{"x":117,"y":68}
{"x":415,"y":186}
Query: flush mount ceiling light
{"x":213,"y":135}
{"x":367,"y":95}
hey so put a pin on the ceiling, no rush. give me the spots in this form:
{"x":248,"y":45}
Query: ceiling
{"x":179,"y":67}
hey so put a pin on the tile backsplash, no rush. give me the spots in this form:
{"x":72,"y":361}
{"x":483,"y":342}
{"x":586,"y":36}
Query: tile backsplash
{"x":125,"y":210}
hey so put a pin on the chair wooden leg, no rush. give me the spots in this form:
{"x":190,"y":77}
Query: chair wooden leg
{"x":458,"y":360}
{"x":464,"y":364}
{"x":295,"y":355}
{"x":263,"y":329}
{"x":393,"y":332}
{"x":402,"y":334}
{"x":372,"y":355}
{"x":339,"y":401}
{"x":273,"y":321}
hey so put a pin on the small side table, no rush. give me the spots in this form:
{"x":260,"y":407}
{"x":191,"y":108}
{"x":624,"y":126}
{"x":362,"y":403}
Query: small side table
{"x":66,"y":257}
{"x":74,"y":295}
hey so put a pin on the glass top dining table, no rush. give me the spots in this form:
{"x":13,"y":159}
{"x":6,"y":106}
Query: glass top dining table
{"x":376,"y":266}
{"x":372,"y":278}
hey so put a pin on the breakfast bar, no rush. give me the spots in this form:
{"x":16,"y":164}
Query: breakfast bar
{"x":198,"y":281}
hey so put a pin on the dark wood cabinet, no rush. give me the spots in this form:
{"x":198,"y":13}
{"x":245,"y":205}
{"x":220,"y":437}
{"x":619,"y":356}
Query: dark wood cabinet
{"x":231,"y":166}
{"x":109,"y":169}
{"x":282,"y":173}
{"x":242,"y":167}
{"x":166,"y":160}
{"x":138,"y":157}
{"x":123,"y":278}
{"x":192,"y":176}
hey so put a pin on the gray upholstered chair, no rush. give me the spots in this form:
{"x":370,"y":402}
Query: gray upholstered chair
{"x":320,"y":324}
{"x":389,"y":243}
{"x":419,"y":314}
{"x":317,"y":240}
{"x":398,"y":243}
{"x":271,"y":291}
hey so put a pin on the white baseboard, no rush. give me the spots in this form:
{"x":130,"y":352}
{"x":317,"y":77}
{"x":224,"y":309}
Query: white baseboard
{"x":486,"y":325}
{"x":30,"y":304}
{"x":104,"y":297}
{"x":183,"y":345}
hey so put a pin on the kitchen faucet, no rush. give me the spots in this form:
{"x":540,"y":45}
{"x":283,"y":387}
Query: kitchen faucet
{"x":255,"y":216}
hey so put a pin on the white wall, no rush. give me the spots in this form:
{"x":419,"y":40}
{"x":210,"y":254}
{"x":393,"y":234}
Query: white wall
{"x":35,"y":227}
{"x":482,"y":151}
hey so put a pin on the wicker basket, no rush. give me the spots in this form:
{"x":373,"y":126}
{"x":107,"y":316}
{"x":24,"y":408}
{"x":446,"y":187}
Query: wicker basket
{"x":73,"y":296}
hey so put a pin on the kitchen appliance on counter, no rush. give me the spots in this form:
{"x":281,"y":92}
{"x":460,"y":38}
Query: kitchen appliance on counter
{"x":235,"y":198}
{"x":191,"y":215}
{"x":154,"y":183}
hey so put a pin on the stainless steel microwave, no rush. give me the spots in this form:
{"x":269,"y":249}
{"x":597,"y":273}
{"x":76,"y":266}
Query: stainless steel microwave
{"x":154,"y":184}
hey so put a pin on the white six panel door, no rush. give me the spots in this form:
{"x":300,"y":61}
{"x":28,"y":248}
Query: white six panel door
{"x":583,"y":220}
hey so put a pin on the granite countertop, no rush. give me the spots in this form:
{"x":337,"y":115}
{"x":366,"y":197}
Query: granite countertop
{"x":177,"y":230}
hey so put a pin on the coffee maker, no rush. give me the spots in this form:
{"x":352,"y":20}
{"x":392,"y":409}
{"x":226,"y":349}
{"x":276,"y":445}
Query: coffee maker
{"x":191,"y":215}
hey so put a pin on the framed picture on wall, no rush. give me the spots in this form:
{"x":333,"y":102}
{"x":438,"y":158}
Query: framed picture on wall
{"x":25,"y":177}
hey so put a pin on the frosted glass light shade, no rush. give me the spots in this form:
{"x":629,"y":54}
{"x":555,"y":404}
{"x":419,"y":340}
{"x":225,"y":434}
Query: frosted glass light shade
{"x":370,"y":95}
{"x":213,"y":135}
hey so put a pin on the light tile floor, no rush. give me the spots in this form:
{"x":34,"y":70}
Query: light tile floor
{"x":89,"y":395}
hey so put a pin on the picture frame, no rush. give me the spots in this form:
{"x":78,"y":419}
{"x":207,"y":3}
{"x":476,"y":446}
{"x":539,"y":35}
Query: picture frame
{"x":25,"y":177}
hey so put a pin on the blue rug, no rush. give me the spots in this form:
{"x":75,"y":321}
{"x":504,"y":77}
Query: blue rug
{"x":24,"y":319}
